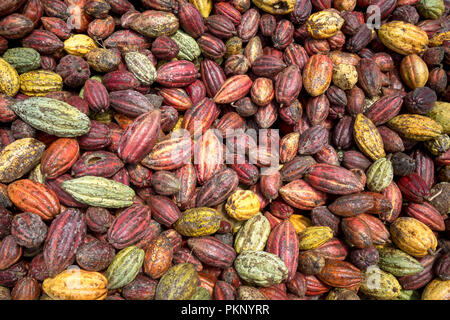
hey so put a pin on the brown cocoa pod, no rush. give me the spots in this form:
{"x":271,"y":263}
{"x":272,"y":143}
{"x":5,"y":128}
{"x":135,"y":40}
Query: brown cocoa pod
{"x":312,"y":140}
{"x":95,"y":255}
{"x":351,"y":205}
{"x":28,"y":230}
{"x":267,"y":66}
{"x":355,"y":160}
{"x":343,"y":133}
{"x":10,"y":252}
{"x":357,"y":232}
{"x":369,"y":77}
{"x":26,"y":288}
{"x":384,"y":109}
{"x":98,"y":219}
{"x":248,"y":26}
{"x":141,"y":288}
{"x":212,"y":251}
{"x":43,"y":41}
{"x":164,"y":210}
{"x":321,"y":216}
{"x":392,"y":142}
{"x":295,"y":168}
{"x":221,"y":26}
{"x":218,"y":188}
{"x":97,"y":163}
{"x":15,"y":26}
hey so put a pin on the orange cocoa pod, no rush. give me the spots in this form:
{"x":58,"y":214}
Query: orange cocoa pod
{"x":35,"y":197}
{"x":59,"y":157}
{"x":158,"y":257}
{"x":317,"y":74}
{"x":380,"y":234}
{"x":357,"y":232}
{"x":299,"y":194}
{"x":340,"y":274}
{"x":233,"y":89}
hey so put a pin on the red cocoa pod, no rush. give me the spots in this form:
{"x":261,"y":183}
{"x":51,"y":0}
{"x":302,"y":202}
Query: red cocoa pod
{"x":169,"y":118}
{"x":98,"y":137}
{"x":357,"y":232}
{"x":74,"y":71}
{"x":26,"y":289}
{"x":394,"y":195}
{"x":188,"y":180}
{"x":212,"y":75}
{"x":355,"y":160}
{"x":315,"y":46}
{"x":34,"y":197}
{"x":43,"y":41}
{"x":15,"y":26}
{"x":273,"y":293}
{"x":65,"y":235}
{"x":11,"y":275}
{"x":343,"y":133}
{"x":176,"y":97}
{"x":6,"y":114}
{"x":351,"y":205}
{"x":312,"y":140}
{"x":175,"y":238}
{"x":380,"y":234}
{"x":327,"y":155}
{"x":10,"y":252}
{"x":153,"y":230}
{"x":169,"y":154}
{"x":360,"y":35}
{"x":165,"y":48}
{"x":299,"y":194}
{"x":384,"y":109}
{"x":165,"y":183}
{"x":281,"y":209}
{"x":101,"y":28}
{"x":211,"y":46}
{"x":158,"y":257}
{"x":164,"y":210}
{"x":98,"y":219}
{"x":129,"y":226}
{"x":266,"y":115}
{"x":419,"y":280}
{"x":443,"y":159}
{"x":248,"y":26}
{"x":270,"y":184}
{"x":283,"y":34}
{"x":6,"y":218}
{"x":337,"y":41}
{"x":248,"y":173}
{"x":97,"y":163}
{"x":369,"y":77}
{"x":381,"y":204}
{"x":57,"y":26}
{"x":413,"y":188}
{"x":228,"y":10}
{"x":231,"y":121}
{"x":139,"y":137}
{"x":424,"y":167}
{"x":262,"y":92}
{"x":95,"y":255}
{"x":38,"y":268}
{"x":96,"y":96}
{"x":212,"y":251}
{"x":197,"y":90}
{"x":314,"y":286}
{"x":3,"y":44}
{"x":123,"y":177}
{"x":297,"y":285}
{"x":355,"y":98}
{"x":273,"y":220}
{"x":177,"y":74}
{"x":200,"y":117}
{"x":391,"y":140}
{"x":208,"y":156}
{"x":340,"y":274}
{"x":48,"y":63}
{"x":441,"y":268}
{"x":317,"y":109}
{"x":283,"y":242}
{"x":139,"y":175}
{"x":59,"y":157}
{"x":130,"y":102}
{"x":437,"y":80}
{"x":63,"y":197}
{"x":190,"y":19}
{"x":333,"y":179}
{"x":302,"y":10}
{"x":28,"y":230}
{"x":220,"y":26}
{"x":336,"y":96}
{"x":56,"y":8}
{"x":119,"y":80}
{"x":267,"y":66}
{"x":295,"y":168}
{"x":141,"y":288}
{"x":218,"y":188}
{"x":288,"y":85}
{"x":224,"y":291}
{"x":233,"y":89}
{"x":427,"y":214}
{"x":294,"y":54}
{"x":184,"y":255}
{"x":126,"y":40}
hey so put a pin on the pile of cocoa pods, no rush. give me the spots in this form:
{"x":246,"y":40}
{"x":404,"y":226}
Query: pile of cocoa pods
{"x":224,"y":150}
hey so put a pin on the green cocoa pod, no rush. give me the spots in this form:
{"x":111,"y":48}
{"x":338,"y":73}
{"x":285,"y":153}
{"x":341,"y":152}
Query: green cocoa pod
{"x":261,"y":268}
{"x":380,"y":175}
{"x":201,"y":294}
{"x":36,"y":175}
{"x":408,"y":295}
{"x":52,"y":116}
{"x":188,"y":47}
{"x":379,"y":284}
{"x":125,"y":267}
{"x":153,"y":23}
{"x":23,"y":59}
{"x":253,"y":235}
{"x":431,"y":9}
{"x":441,"y":114}
{"x":438,"y":145}
{"x":398,"y":262}
{"x":99,"y":192}
{"x":197,"y":222}
{"x":19,"y":158}
{"x":178,"y":283}
{"x":141,"y":67}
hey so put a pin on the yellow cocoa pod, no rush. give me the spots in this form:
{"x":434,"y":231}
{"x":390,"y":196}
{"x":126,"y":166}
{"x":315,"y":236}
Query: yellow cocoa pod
{"x":414,"y":71}
{"x":437,"y":290}
{"x":379,"y":284}
{"x":300,"y":222}
{"x":197,"y":222}
{"x":40,"y":82}
{"x":415,"y":127}
{"x":402,"y":37}
{"x":367,"y":138}
{"x":314,"y":236}
{"x":439,"y":39}
{"x":324,"y":24}
{"x":275,"y":6}
{"x":79,"y":45}
{"x":203,"y":6}
{"x":441,"y":114}
{"x":9,"y":79}
{"x":76,"y":284}
{"x":413,"y":236}
{"x":242,"y":205}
